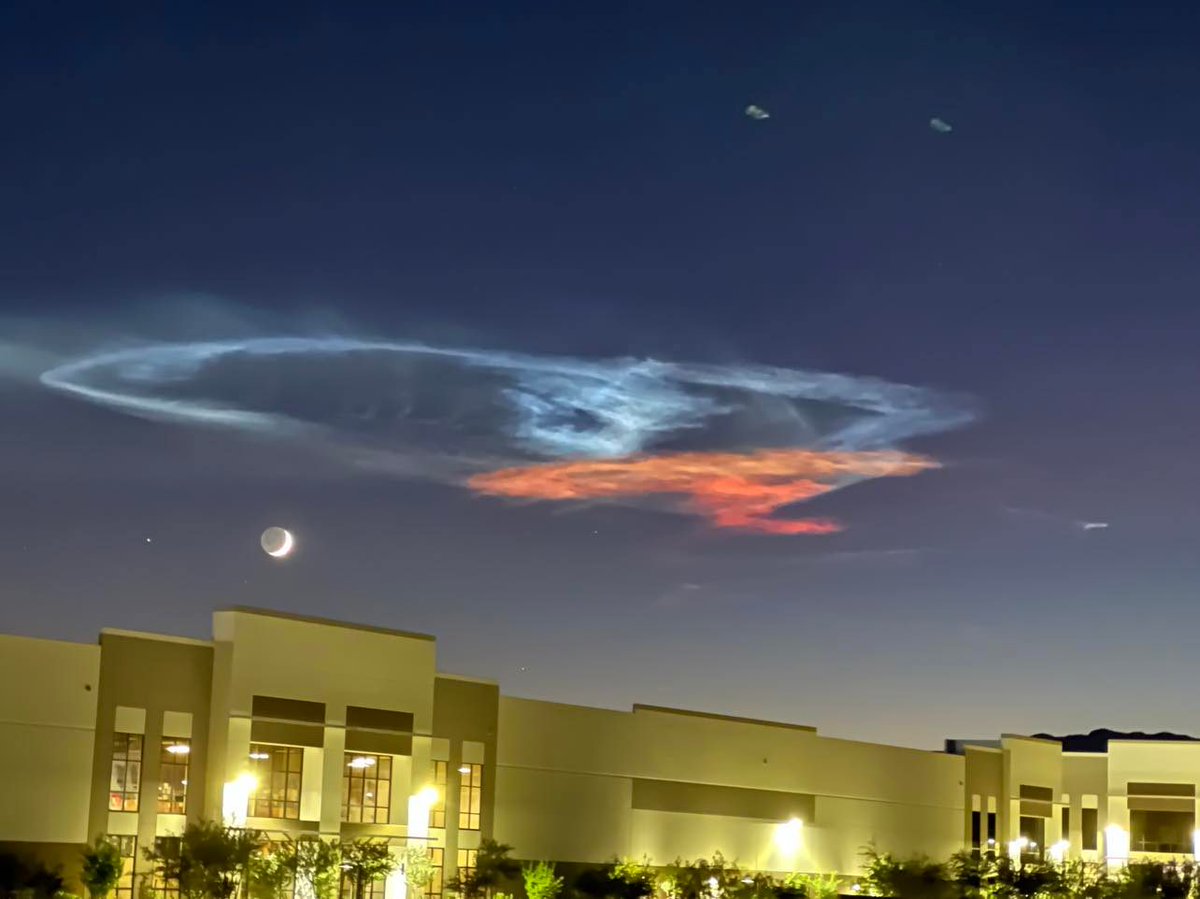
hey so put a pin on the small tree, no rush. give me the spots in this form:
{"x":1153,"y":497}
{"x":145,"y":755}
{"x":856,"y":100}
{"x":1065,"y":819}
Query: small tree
{"x":493,"y":868}
{"x":101,"y":868}
{"x":541,"y":882}
{"x":208,"y":861}
{"x":812,"y":886}
{"x":418,"y":869}
{"x":364,"y":861}
{"x":623,"y":879}
{"x":911,"y":878}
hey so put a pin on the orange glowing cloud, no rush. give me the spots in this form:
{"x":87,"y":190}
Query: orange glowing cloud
{"x":733,"y":490}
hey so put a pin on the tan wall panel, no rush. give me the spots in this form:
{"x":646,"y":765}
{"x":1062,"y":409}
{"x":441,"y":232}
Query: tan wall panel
{"x":561,"y":816}
{"x":46,"y":774}
{"x":48,"y":682}
{"x":711,"y":750}
{"x":48,"y":701}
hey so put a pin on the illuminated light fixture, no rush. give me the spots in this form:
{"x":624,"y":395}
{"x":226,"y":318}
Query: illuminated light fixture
{"x":260,"y":756}
{"x":1196,"y":843}
{"x":235,"y":800}
{"x":1116,"y":844}
{"x":747,"y":880}
{"x":179,"y":749}
{"x":428,"y":796}
{"x":991,"y":841}
{"x":788,"y":836}
{"x":1015,"y":847}
{"x":465,"y":769}
{"x":1058,"y":852}
{"x":361,"y":761}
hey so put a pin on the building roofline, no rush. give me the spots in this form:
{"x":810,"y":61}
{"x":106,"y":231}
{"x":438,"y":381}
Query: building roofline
{"x":326,"y":622}
{"x":146,"y":635}
{"x":1057,"y":743}
{"x":690,"y":713}
{"x":442,"y":675}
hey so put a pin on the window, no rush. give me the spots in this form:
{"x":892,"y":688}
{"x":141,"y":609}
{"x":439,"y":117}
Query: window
{"x":366,"y":788}
{"x":976,"y":829}
{"x":1066,"y":824}
{"x":128,"y":849}
{"x":1160,"y":831}
{"x":173,"y":776}
{"x":1090,"y":824}
{"x":277,"y":771}
{"x":1033,"y":832}
{"x":466,"y":862}
{"x":125,"y":781}
{"x":437,"y":812}
{"x":991,"y":829}
{"x":372,"y":890}
{"x":470,"y":796}
{"x":168,"y":888}
{"x":437,"y":860}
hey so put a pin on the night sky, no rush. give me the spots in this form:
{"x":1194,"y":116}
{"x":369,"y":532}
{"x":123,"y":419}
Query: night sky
{"x":552,"y":187}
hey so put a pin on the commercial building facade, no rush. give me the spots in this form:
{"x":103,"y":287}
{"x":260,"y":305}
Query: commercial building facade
{"x":300,"y":726}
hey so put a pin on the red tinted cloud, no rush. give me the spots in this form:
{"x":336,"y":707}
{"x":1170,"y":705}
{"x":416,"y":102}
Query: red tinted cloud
{"x":733,"y":490}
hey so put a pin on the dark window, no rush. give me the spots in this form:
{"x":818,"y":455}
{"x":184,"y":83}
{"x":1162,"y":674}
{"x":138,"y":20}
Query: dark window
{"x":366,"y":788}
{"x":173,"y":776}
{"x":437,"y":860}
{"x":976,"y":829}
{"x":437,"y":812}
{"x":1161,"y":831}
{"x":1090,"y":824}
{"x":1033,"y":833}
{"x":165,"y":887}
{"x":991,"y":829}
{"x":1066,"y":823}
{"x":470,"y":796}
{"x":125,"y":780}
{"x":277,"y":772}
{"x":127,"y":846}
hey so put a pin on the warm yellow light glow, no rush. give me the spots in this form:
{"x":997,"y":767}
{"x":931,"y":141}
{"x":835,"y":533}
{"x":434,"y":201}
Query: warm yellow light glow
{"x":1116,"y":844}
{"x":1058,"y":852}
{"x":428,"y":795}
{"x":361,"y":761}
{"x":788,"y":836}
{"x":260,"y":756}
{"x":1015,"y":847}
{"x":465,"y":769}
{"x":235,"y":799}
{"x":1196,"y":843}
{"x":179,"y":749}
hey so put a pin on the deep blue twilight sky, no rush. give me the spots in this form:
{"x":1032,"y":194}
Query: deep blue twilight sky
{"x":580,"y":181}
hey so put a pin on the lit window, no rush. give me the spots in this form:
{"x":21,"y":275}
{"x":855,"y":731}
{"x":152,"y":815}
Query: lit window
{"x":127,"y":846}
{"x":125,"y":781}
{"x":437,"y":811}
{"x":470,"y":796}
{"x":277,"y":772}
{"x":466,"y":862}
{"x":173,"y":776}
{"x":366,"y":788}
{"x":437,"y":861}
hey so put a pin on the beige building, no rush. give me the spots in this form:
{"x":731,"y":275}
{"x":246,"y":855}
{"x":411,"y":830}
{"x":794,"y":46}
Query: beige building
{"x":294,"y":725}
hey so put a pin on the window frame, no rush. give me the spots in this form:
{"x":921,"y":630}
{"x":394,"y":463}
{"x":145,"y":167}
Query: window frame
{"x":123,"y":753}
{"x":262,"y":802}
{"x":364,"y":777}
{"x":180,"y":764}
{"x":470,"y":796}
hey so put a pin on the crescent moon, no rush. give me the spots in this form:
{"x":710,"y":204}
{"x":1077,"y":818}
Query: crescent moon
{"x":288,"y":542}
